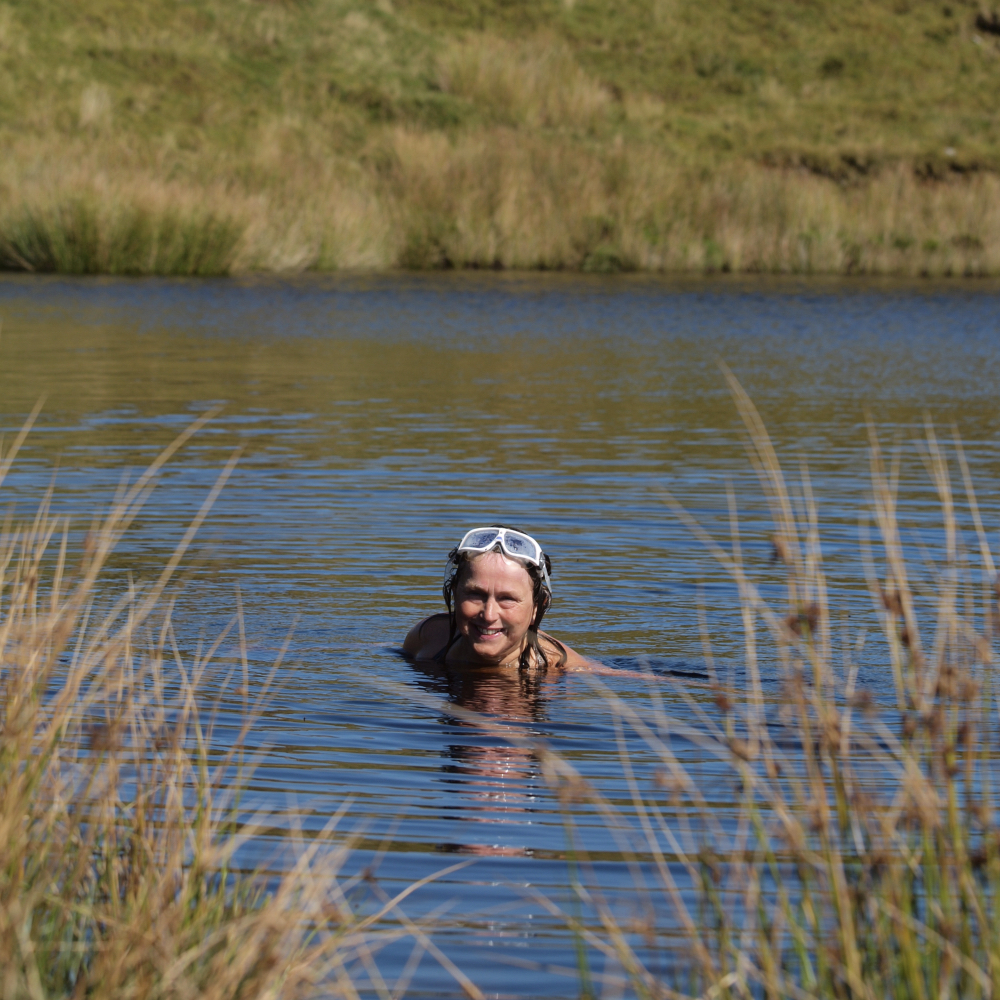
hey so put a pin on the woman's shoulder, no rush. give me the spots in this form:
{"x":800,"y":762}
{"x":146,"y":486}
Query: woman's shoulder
{"x":570,"y":661}
{"x":426,"y":638}
{"x":563,"y":655}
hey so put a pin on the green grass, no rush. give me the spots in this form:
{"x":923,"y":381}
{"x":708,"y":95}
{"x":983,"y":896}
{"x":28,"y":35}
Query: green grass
{"x":844,"y":86}
{"x":77,"y":237}
{"x":342,"y":133}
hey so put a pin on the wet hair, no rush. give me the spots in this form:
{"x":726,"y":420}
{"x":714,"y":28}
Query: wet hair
{"x":541,"y":596}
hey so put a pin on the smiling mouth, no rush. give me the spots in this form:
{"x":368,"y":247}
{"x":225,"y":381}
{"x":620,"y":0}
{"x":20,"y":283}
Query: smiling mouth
{"x":488,"y":632}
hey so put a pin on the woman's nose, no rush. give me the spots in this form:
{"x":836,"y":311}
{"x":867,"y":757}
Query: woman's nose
{"x":490,"y":609}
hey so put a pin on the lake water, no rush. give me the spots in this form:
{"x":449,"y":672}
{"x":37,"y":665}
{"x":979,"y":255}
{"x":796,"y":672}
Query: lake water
{"x":382,"y":417}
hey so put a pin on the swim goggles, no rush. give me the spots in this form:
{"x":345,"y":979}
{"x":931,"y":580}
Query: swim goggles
{"x":515,"y":544}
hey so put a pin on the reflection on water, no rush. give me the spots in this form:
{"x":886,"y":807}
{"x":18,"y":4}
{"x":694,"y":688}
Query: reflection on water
{"x":499,"y":781}
{"x":380,"y":418}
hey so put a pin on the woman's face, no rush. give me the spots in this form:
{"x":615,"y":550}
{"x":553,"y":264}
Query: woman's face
{"x":494,"y":606}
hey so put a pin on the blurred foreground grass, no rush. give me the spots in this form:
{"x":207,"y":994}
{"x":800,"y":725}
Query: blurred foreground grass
{"x":832,"y":841}
{"x":123,"y":820}
{"x":209,"y":136}
{"x":825,"y":846}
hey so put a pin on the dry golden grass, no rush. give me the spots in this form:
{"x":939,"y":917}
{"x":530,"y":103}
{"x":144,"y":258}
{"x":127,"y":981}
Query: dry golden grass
{"x":497,"y":198}
{"x":840,"y":843}
{"x":858,"y":857}
{"x":121,"y":822}
{"x":535,"y":83}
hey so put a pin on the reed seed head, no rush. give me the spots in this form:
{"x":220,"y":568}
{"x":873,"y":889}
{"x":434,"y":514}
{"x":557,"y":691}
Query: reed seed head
{"x":892,"y":602}
{"x":722,"y":701}
{"x":863,"y":699}
{"x":968,"y":688}
{"x":103,"y":737}
{"x":742,"y":749}
{"x":779,"y":550}
{"x":805,"y":621}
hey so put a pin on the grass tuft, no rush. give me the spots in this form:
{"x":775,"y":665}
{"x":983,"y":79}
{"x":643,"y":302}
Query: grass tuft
{"x":81,"y":236}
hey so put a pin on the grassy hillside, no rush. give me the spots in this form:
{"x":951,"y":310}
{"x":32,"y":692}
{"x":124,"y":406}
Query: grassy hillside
{"x":213,"y":135}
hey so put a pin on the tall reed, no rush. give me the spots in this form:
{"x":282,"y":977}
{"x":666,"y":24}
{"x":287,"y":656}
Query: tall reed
{"x":123,"y":819}
{"x":841,"y":846}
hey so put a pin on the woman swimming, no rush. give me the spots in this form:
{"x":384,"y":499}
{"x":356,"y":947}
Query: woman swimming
{"x":497,"y":590}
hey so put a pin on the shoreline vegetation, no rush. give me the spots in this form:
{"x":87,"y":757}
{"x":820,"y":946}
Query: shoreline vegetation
{"x":233,"y":136}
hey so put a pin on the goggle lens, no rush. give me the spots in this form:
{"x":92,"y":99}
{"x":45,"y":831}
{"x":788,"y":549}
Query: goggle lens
{"x":518,"y":545}
{"x":480,"y":539}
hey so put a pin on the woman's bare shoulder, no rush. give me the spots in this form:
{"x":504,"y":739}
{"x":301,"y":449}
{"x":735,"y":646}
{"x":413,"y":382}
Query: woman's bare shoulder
{"x":576,"y":663}
{"x":426,"y":637}
{"x":573,"y":660}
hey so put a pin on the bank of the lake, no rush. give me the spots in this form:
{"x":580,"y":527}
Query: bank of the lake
{"x":226,"y":136}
